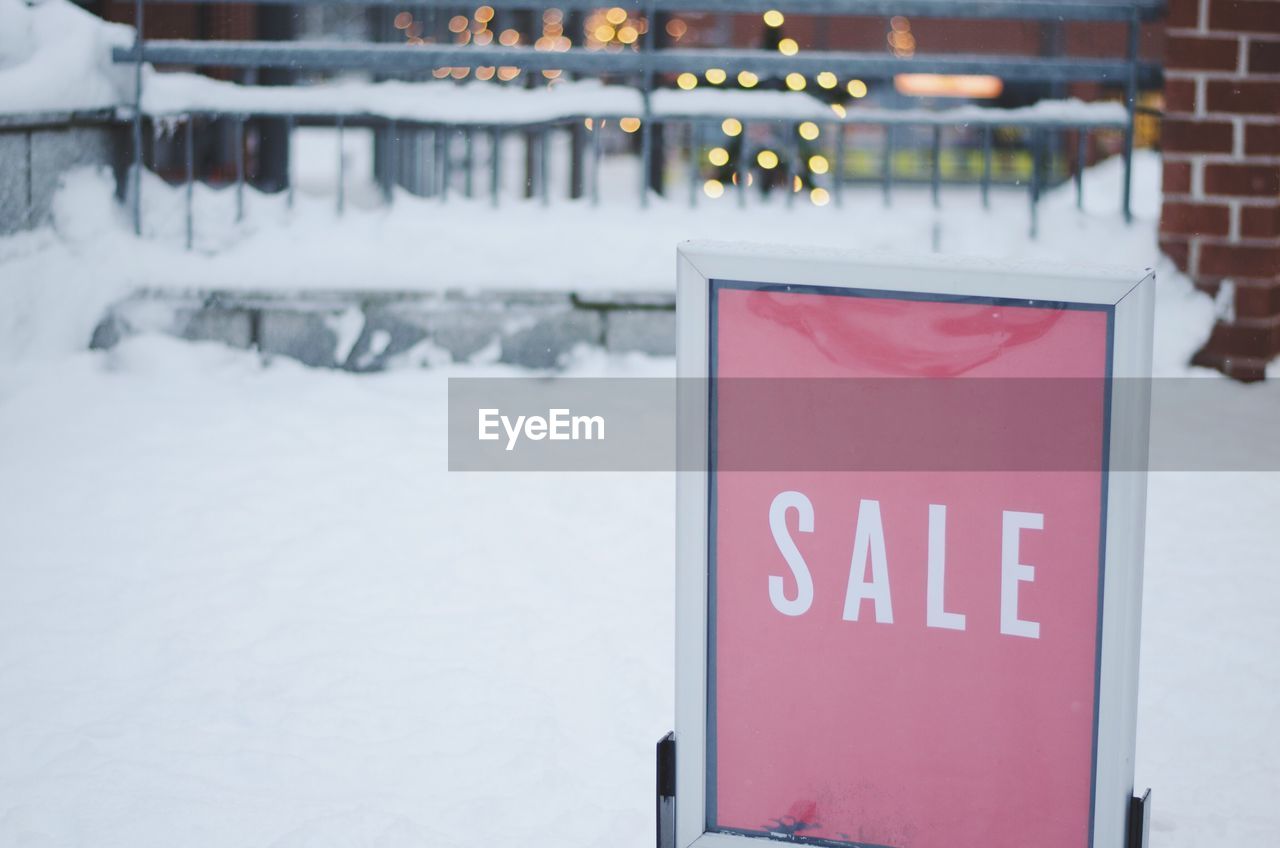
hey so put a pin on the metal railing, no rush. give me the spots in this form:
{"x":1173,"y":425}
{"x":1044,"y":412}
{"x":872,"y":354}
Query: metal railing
{"x":642,"y":67}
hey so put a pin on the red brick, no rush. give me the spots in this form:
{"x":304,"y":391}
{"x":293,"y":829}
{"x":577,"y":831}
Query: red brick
{"x":1201,"y":53}
{"x":1239,"y":260}
{"x":1262,"y":139}
{"x":1242,"y":180}
{"x":1264,"y":56}
{"x":1181,"y":135}
{"x":1178,"y":250}
{"x":1179,"y":96}
{"x":1260,"y":299}
{"x":1246,"y":370}
{"x":1195,"y":219}
{"x":1260,"y":221}
{"x":1177,"y":177}
{"x":1244,"y":97}
{"x":1244,"y":15}
{"x":1183,"y":13}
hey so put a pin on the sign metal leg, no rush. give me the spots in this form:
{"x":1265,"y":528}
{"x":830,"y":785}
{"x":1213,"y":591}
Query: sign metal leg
{"x":666,"y":791}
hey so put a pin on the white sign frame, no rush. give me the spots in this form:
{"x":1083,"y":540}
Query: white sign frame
{"x":1131,"y":295}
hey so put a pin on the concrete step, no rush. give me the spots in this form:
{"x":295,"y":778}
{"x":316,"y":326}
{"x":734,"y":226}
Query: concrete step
{"x":366,"y":331}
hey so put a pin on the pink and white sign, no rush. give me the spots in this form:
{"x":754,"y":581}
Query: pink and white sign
{"x":904,"y":656}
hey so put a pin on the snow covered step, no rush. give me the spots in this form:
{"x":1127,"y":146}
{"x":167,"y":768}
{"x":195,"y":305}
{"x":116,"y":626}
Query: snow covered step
{"x":372,"y":331}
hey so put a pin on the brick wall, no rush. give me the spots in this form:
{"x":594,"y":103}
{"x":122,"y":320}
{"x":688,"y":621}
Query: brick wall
{"x":1221,"y":217}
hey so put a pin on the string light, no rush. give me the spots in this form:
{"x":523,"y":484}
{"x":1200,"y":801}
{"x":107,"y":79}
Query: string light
{"x":404,"y":20}
{"x":857,"y":88}
{"x":552,"y":74}
{"x":808,"y":130}
{"x":629,"y":125}
{"x":483,"y":38}
{"x":676,"y":28}
{"x":687,"y":81}
{"x":820,"y":197}
{"x":796,"y":184}
{"x":715,"y":76}
{"x":788,"y":47}
{"x":718,"y":157}
{"x":589,"y":124}
{"x":746,"y":79}
{"x":484,"y":14}
{"x":819,"y":164}
{"x":458,"y":23}
{"x":731,"y":127}
{"x":826,"y":79}
{"x":509,"y":38}
{"x":774,"y":18}
{"x":713,"y":189}
{"x":901,"y":41}
{"x":839,"y":109}
{"x":628,"y":35}
{"x":616,"y":16}
{"x":767,"y":159}
{"x":795,"y":82}
{"x":507,"y":73}
{"x":485,"y":73}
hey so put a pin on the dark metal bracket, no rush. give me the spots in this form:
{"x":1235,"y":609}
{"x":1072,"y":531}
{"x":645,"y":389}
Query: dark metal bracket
{"x":666,"y":791}
{"x":1140,"y":821}
{"x":1138,"y":836}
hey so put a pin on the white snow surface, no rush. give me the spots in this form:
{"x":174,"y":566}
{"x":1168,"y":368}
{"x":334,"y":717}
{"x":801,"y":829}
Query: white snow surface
{"x":88,"y":256}
{"x":248,"y":605}
{"x":56,"y":57}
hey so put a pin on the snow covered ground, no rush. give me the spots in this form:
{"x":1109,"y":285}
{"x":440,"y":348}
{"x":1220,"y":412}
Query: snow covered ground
{"x":88,"y":257}
{"x":247,"y":605}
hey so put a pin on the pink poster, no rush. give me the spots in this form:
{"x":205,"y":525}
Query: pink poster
{"x":905,"y":654}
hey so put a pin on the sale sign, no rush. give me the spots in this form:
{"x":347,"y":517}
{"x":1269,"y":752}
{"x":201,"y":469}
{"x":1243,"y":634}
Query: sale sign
{"x":906,"y":565}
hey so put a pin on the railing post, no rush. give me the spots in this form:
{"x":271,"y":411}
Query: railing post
{"x":468,"y":163}
{"x":189,"y":149}
{"x":495,"y":165}
{"x":936,"y":175}
{"x":986,"y":166}
{"x":1082,"y":153}
{"x":646,"y":119}
{"x":1035,"y":182}
{"x":544,"y":153}
{"x":289,"y":123}
{"x":743,"y":165}
{"x":391,"y":162}
{"x":695,"y":160}
{"x":597,"y":141}
{"x":793,"y":164}
{"x":1131,"y":103}
{"x":239,"y":142}
{"x":837,"y":167}
{"x":342,"y":167}
{"x":138,"y":40}
{"x":888,"y":163}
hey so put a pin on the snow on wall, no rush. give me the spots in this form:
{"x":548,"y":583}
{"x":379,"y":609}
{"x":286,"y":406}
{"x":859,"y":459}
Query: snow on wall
{"x":56,"y":57}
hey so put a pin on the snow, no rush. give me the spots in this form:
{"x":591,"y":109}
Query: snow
{"x":56,"y":57}
{"x":89,"y":255}
{"x":248,"y":605}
